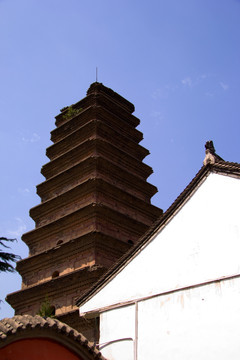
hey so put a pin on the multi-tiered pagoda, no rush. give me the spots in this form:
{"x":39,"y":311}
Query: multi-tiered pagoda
{"x":95,"y":203}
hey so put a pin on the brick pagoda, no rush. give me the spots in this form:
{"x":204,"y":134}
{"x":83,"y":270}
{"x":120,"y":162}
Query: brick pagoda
{"x":95,"y":203}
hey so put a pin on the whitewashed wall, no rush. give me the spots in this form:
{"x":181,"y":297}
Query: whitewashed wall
{"x":199,"y":323}
{"x":200,"y":244}
{"x":118,"y":325}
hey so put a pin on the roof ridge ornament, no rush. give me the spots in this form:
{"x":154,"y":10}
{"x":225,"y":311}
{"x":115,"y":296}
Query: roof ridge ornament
{"x":211,"y":157}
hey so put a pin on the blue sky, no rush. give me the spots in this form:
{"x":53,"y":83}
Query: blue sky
{"x":177,"y":61}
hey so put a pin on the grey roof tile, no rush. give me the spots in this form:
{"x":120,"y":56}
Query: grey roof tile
{"x":11,"y":329}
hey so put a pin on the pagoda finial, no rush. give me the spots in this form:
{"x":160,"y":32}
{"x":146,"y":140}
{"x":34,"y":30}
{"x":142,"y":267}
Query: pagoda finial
{"x":211,"y":157}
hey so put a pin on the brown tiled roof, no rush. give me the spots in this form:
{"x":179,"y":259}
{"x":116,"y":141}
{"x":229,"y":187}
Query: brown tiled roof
{"x":220,"y":167}
{"x":27,"y":326}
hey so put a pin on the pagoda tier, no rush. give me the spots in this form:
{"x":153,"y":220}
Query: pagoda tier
{"x":95,"y":203}
{"x":62,"y":291}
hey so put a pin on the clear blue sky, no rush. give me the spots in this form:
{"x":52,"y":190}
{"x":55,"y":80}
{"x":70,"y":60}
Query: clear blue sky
{"x":177,"y":61}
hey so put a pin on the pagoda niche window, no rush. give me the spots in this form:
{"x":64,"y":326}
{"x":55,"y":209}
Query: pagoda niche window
{"x":55,"y":274}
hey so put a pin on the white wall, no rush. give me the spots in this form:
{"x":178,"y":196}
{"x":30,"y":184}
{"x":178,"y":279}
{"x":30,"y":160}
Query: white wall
{"x":201,"y":323}
{"x":118,"y":325}
{"x":198,"y":323}
{"x":201,"y":243}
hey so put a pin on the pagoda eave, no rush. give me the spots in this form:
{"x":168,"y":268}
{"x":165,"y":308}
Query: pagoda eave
{"x":73,"y":248}
{"x":91,"y":191}
{"x":80,"y":279}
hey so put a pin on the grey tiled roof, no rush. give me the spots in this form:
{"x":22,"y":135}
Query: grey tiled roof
{"x":25,"y":326}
